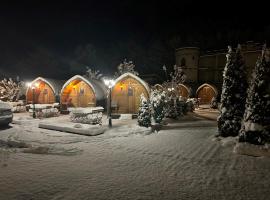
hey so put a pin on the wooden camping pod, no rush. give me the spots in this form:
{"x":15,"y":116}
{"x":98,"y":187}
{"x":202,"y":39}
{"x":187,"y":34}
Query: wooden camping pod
{"x":206,"y":92}
{"x":126,"y":93}
{"x":45,"y":91}
{"x":79,"y":91}
{"x":183,"y":90}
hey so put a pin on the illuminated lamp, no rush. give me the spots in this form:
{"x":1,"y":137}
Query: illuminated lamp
{"x":37,"y":85}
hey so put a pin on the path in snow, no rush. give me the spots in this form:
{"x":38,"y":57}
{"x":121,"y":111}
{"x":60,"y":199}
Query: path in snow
{"x":179,"y":162}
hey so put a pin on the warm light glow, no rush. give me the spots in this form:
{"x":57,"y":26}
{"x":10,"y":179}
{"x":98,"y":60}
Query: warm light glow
{"x":36,"y":85}
{"x":171,"y":89}
{"x":109,"y":82}
{"x":29,"y":84}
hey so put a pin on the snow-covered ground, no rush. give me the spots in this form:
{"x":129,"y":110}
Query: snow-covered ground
{"x":180,"y":162}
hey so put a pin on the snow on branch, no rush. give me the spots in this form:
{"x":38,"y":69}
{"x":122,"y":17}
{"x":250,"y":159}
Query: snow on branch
{"x":93,"y":74}
{"x":124,"y":67}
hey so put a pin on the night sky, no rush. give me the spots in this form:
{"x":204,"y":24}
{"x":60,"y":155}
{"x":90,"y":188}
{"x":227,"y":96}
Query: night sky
{"x":58,"y":40}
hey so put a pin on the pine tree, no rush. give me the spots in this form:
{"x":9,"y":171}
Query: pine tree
{"x":157,"y":100}
{"x":233,"y":94}
{"x":144,"y":115}
{"x":256,"y":123}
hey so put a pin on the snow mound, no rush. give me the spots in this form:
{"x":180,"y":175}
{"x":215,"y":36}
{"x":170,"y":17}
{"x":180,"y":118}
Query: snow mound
{"x":125,"y":116}
{"x":228,"y":141}
{"x":82,"y":129}
{"x":139,"y":130}
{"x":52,"y":151}
{"x":14,"y":144}
{"x":129,"y":130}
{"x":37,"y":150}
{"x":252,"y":150}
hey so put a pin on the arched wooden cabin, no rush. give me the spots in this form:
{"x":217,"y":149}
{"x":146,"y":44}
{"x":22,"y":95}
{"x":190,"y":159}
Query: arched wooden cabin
{"x":126,"y":93}
{"x":206,"y":92}
{"x":183,"y":90}
{"x":46,"y":91}
{"x":79,"y":91}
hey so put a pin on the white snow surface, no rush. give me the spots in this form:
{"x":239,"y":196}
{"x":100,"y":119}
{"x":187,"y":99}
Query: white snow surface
{"x":128,"y":162}
{"x":250,"y":126}
{"x":252,"y":150}
{"x":125,"y":116}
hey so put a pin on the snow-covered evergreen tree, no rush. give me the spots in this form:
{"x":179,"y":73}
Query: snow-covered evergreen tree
{"x":256,"y":123}
{"x":144,"y":115}
{"x":157,"y":101}
{"x":233,"y":95}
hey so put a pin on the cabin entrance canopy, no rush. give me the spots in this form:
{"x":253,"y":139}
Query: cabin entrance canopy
{"x":127,"y":91}
{"x":45,"y":91}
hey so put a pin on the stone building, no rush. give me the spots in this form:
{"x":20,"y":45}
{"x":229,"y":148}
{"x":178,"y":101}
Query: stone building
{"x":204,"y":69}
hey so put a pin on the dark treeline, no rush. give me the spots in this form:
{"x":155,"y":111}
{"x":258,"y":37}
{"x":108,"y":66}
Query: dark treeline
{"x":58,"y":40}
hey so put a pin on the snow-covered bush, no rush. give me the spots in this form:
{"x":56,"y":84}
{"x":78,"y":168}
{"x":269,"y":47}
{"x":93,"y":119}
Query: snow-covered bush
{"x":144,"y":115}
{"x":256,"y":123}
{"x":49,"y":112}
{"x":10,"y":89}
{"x":233,"y":94}
{"x":157,"y":101}
{"x":214,"y":103}
{"x":171,"y":109}
{"x":181,"y":107}
{"x":91,"y":115}
{"x":190,"y":105}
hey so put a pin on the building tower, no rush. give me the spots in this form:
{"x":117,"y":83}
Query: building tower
{"x":188,"y":59}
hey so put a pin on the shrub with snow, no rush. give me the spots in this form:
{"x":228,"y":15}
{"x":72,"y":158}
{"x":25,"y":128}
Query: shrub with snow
{"x":190,"y":104}
{"x":214,"y":103}
{"x":233,"y":94}
{"x":157,"y":101}
{"x":171,"y":110}
{"x":144,"y":115}
{"x":256,"y":123}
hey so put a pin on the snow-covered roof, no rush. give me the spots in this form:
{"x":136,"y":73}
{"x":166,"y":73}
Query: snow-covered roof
{"x":185,"y":86}
{"x":211,"y":86}
{"x":55,"y":84}
{"x":135,"y":77}
{"x":97,"y":86}
{"x":158,"y":86}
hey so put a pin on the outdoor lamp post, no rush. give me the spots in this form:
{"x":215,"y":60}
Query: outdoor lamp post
{"x":33,"y":87}
{"x":109,"y":83}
